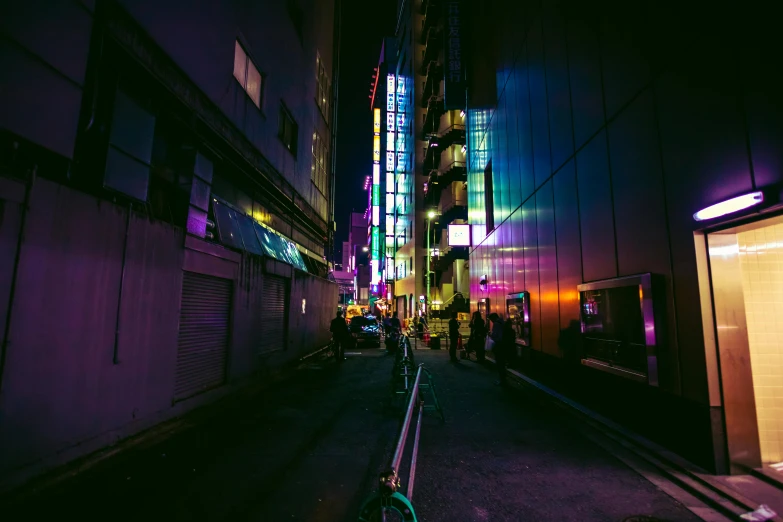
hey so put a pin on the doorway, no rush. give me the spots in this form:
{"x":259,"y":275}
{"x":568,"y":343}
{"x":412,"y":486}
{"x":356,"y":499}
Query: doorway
{"x":746,"y":281}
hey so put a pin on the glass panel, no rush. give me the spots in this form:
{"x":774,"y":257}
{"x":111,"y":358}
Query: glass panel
{"x":248,"y":234}
{"x":125,"y":174}
{"x":240,"y":64}
{"x":254,"y":83}
{"x":267,"y":240}
{"x":132,"y":128}
{"x":197,"y":222}
{"x":228,"y":228}
{"x":199,"y":194}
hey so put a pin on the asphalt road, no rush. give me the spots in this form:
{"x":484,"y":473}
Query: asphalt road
{"x":310,"y":449}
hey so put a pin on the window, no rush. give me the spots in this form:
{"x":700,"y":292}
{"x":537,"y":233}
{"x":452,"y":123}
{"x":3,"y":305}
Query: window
{"x":323,"y":87}
{"x":288,"y":130}
{"x":489,"y":200}
{"x":247,"y":74}
{"x":318,"y":171}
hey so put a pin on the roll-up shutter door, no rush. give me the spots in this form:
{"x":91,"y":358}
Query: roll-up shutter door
{"x":274,"y":323}
{"x":203,"y":334}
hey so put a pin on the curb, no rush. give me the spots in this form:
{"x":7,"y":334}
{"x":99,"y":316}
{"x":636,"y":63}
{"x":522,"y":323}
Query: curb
{"x":685,"y":474}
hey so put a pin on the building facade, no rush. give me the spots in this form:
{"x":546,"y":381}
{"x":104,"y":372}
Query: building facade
{"x":168,"y":194}
{"x":596,"y":135}
{"x":431,"y":180}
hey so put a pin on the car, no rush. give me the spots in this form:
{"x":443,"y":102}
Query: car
{"x":365,"y":329}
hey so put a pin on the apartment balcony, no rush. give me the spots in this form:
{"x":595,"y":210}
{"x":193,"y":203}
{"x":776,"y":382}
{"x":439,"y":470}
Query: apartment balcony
{"x":431,"y":10}
{"x":431,"y":155}
{"x":452,"y":135}
{"x":433,"y":44}
{"x":434,"y":72}
{"x":434,"y":112}
{"x":453,"y":204}
{"x":432,"y":191}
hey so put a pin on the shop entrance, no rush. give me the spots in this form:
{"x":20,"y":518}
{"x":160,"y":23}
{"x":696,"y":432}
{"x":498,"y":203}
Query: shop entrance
{"x":746,"y":283}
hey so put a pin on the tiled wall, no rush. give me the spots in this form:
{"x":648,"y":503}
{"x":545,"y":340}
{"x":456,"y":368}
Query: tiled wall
{"x":761,"y":263}
{"x":608,"y":130}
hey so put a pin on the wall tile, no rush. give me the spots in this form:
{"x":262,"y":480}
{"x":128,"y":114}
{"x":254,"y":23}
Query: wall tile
{"x":595,"y":211}
{"x":542,"y":166}
{"x":547,"y":269}
{"x":569,"y":254}
{"x":558,"y":91}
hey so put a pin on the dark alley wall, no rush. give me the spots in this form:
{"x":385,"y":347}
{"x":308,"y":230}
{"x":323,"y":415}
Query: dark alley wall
{"x":613,"y":124}
{"x":68,"y":388}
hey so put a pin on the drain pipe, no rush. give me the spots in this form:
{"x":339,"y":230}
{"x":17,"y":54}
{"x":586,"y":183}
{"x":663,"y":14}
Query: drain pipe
{"x":12,"y":291}
{"x":116,"y":353}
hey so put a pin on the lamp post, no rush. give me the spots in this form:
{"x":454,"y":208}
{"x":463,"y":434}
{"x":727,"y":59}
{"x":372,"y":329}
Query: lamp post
{"x":431,"y":214}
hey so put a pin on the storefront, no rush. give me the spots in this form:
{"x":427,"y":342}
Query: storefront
{"x":741,"y":284}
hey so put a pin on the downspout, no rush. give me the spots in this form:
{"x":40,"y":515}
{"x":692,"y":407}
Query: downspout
{"x":14,"y":275}
{"x":335,"y":97}
{"x":116,"y":353}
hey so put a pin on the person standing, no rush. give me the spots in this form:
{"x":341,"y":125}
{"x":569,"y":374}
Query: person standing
{"x":499,"y":347}
{"x":478,"y":335}
{"x":340,"y":335}
{"x":453,"y":337}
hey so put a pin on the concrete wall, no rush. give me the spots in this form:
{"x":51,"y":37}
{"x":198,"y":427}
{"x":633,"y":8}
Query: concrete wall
{"x":63,"y":392}
{"x":203,"y":46}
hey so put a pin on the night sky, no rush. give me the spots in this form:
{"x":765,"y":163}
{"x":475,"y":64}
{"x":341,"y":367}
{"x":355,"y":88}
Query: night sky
{"x":364,"y":26}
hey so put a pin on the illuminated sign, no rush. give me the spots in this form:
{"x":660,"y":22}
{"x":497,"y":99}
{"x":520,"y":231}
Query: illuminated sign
{"x":376,"y":195}
{"x":390,"y":121}
{"x":454,"y":84}
{"x":459,"y":235}
{"x":376,"y":173}
{"x":390,"y":140}
{"x":376,"y":126}
{"x":390,"y":183}
{"x":376,"y":148}
{"x":390,"y":161}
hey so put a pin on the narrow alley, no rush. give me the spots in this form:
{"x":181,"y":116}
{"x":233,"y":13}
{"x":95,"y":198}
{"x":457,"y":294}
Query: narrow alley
{"x":310,"y":446}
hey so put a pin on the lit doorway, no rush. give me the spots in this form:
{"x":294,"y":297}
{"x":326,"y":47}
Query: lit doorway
{"x":746,"y":283}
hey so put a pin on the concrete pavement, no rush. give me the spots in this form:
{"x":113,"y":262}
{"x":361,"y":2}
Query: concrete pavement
{"x":310,"y":449}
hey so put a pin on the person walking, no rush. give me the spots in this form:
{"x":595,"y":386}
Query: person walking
{"x":478,"y":335}
{"x":496,"y":335}
{"x":453,"y":337}
{"x":340,"y":336}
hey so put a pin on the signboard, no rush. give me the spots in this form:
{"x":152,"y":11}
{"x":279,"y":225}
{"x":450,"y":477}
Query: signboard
{"x":459,"y":235}
{"x":454,"y":77}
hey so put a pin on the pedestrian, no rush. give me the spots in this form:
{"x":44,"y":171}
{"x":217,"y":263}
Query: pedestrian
{"x":478,"y":335}
{"x":340,"y":336}
{"x":498,"y":348}
{"x":453,"y":337}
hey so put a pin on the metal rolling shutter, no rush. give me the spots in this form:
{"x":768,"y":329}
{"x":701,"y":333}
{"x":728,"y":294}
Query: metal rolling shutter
{"x":203,"y":334}
{"x":274,"y":323}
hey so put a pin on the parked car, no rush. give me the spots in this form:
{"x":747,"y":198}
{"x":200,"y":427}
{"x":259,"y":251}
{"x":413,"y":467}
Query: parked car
{"x":365,"y":329}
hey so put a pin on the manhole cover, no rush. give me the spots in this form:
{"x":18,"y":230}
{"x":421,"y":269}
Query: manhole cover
{"x":642,"y":518}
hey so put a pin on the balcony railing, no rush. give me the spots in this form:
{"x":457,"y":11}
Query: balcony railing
{"x":453,"y":134}
{"x":433,"y":43}
{"x":431,"y":13}
{"x":434,"y":73}
{"x":434,"y":112}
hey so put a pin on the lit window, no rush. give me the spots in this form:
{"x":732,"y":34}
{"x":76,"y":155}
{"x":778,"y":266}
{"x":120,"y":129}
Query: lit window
{"x":323,"y":91}
{"x":318,"y":172}
{"x":247,"y":74}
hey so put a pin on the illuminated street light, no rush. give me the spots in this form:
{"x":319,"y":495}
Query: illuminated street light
{"x":431,"y":214}
{"x":365,"y":249}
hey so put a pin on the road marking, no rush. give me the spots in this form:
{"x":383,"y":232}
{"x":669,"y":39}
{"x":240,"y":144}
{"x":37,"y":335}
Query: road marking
{"x":353,"y":353}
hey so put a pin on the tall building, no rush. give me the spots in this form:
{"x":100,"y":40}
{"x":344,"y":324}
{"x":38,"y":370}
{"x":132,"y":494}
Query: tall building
{"x":381,"y":204}
{"x":625,"y":167}
{"x":166,"y":195}
{"x":431,"y":162}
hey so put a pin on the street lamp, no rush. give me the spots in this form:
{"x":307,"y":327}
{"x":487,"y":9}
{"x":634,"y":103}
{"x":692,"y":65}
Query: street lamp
{"x":430,"y":215}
